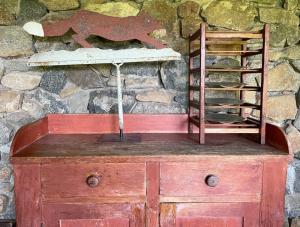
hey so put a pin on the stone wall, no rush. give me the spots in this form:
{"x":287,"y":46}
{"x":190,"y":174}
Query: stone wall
{"x":27,"y":94}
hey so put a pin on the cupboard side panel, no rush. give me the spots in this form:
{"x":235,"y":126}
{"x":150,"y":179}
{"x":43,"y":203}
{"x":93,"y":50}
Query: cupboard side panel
{"x":27,"y":194}
{"x":272,"y":206}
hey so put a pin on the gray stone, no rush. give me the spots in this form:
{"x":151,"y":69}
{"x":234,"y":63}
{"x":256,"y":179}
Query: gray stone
{"x":19,"y":119}
{"x":283,"y":77}
{"x":6,"y":17}
{"x":78,"y":102}
{"x":296,"y":122}
{"x":16,"y":64}
{"x":292,"y":205}
{"x":182,"y":99}
{"x":7,"y":132}
{"x":105,"y":101}
{"x":57,"y":5}
{"x":291,"y":5}
{"x":189,"y":25}
{"x":267,"y":3}
{"x":291,"y":53}
{"x":164,"y":11}
{"x":103,"y":70}
{"x":296,"y":65}
{"x":9,"y":101}
{"x":5,"y":173}
{"x":2,"y":68}
{"x":47,"y":44}
{"x":41,"y":102}
{"x":154,"y":107}
{"x":6,"y":187}
{"x":298,"y":99}
{"x":30,"y":10}
{"x":8,"y":11}
{"x":69,"y":89}
{"x":53,"y":81}
{"x":138,"y":82}
{"x":291,"y":175}
{"x":115,"y":9}
{"x":174,"y":75}
{"x":278,"y":16}
{"x":139,"y":69}
{"x":3,"y":203}
{"x":188,"y":8}
{"x":233,"y":14}
{"x":293,"y":136}
{"x":85,"y":77}
{"x":33,"y":107}
{"x":51,"y":102}
{"x":57,"y":16}
{"x":14,"y":41}
{"x":162,"y":96}
{"x":112,"y":81}
{"x":21,"y":80}
{"x":280,"y":108}
{"x":281,"y":34}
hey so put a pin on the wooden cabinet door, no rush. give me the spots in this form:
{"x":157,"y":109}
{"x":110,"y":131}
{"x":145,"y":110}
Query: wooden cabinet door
{"x":209,"y":222}
{"x":93,"y":215}
{"x":107,"y":222}
{"x":209,"y":215}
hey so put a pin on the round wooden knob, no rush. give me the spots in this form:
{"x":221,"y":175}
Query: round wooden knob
{"x":93,"y":181}
{"x":212,"y":180}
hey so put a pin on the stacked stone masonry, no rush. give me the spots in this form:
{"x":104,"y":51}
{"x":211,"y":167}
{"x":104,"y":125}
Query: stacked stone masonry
{"x":27,"y":94}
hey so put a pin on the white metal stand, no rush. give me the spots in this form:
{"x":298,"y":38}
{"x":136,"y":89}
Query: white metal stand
{"x":120,"y":100}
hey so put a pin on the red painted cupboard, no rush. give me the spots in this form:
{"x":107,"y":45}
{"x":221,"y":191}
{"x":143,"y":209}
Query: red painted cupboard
{"x":71,"y":170}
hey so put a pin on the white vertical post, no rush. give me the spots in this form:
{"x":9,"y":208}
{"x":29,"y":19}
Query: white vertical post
{"x":120,"y":99}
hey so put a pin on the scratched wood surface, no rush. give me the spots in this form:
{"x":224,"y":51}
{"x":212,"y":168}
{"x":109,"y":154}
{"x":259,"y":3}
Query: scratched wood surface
{"x":153,"y":181}
{"x":27,"y":195}
{"x":135,"y":123}
{"x":190,"y":212}
{"x":124,"y":179}
{"x":54,"y":212}
{"x":108,"y":222}
{"x":272,"y":206}
{"x":188,"y":179}
{"x":142,"y":145}
{"x":209,"y":222}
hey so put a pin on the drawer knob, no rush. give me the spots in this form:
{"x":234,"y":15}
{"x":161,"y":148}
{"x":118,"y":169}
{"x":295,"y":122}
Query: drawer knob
{"x":93,"y":181}
{"x":212,"y":180}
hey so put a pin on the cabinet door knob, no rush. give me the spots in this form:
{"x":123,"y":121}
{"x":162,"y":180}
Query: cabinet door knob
{"x":212,"y":180}
{"x":93,"y":181}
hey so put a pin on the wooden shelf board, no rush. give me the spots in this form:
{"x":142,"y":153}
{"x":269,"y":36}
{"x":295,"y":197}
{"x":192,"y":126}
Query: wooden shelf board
{"x":234,"y":89}
{"x":227,"y":128}
{"x":196,"y":53}
{"x":233,"y":69}
{"x":234,"y":53}
{"x":225,"y":42}
{"x":231,"y":130}
{"x":242,"y":106}
{"x":196,"y":105}
{"x":246,"y":88}
{"x":230,"y":34}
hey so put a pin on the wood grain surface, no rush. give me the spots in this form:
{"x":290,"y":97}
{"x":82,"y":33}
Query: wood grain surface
{"x":124,"y":179}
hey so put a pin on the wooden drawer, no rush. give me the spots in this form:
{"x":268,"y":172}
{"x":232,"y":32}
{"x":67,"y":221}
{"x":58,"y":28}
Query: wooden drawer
{"x":191,"y":179}
{"x":93,"y":214}
{"x":114,"y":180}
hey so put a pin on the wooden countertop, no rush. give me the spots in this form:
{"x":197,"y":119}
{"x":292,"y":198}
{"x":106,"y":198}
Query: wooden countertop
{"x":143,"y":144}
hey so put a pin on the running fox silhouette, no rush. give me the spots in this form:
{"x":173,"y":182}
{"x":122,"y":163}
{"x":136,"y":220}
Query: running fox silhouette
{"x":85,"y":23}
